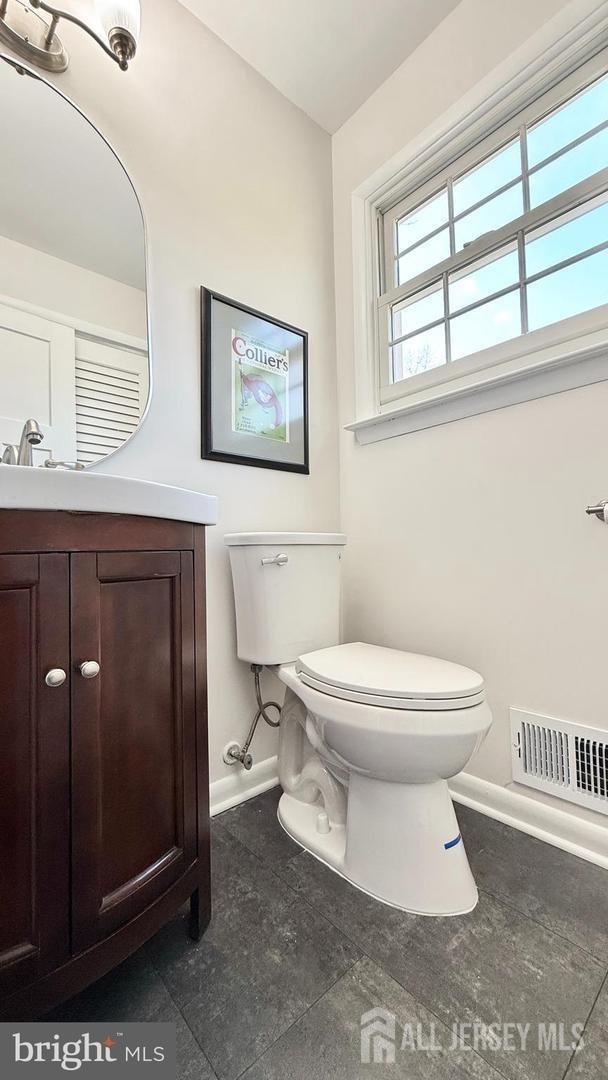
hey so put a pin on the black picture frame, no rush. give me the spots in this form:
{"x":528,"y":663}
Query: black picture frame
{"x":211,"y":451}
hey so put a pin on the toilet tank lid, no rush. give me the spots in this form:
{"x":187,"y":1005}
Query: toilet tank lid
{"x":282,"y":538}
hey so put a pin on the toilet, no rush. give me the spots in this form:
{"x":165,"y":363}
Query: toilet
{"x":369,"y":736}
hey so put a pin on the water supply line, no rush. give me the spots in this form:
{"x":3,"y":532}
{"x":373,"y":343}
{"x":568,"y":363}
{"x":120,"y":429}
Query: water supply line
{"x":235,"y":754}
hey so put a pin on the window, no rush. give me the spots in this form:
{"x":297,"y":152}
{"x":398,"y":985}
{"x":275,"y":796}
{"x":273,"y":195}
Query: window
{"x":509,"y":240}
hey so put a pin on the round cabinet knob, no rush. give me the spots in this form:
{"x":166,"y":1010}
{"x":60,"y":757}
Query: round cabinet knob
{"x":89,"y":669}
{"x":55,"y":677}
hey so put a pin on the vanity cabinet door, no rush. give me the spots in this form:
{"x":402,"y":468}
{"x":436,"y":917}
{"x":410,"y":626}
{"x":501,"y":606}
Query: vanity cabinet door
{"x":134,"y":813}
{"x":34,"y":767}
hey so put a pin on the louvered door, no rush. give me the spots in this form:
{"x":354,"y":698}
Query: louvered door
{"x":111,"y":393}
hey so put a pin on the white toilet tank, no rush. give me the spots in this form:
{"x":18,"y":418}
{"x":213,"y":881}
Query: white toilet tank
{"x":286,"y":593}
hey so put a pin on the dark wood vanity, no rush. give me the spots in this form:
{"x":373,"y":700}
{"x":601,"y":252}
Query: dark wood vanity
{"x":104,"y":805}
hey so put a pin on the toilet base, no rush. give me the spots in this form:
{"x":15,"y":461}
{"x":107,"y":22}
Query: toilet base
{"x":401,"y":844}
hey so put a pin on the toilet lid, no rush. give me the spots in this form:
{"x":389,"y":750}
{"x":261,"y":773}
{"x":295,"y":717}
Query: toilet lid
{"x":364,"y":672}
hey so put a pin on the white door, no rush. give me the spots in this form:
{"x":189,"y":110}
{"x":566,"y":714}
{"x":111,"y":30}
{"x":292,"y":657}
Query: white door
{"x":37,"y":380}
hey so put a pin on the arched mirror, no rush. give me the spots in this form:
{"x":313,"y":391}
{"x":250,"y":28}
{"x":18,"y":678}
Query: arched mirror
{"x":73,"y":314}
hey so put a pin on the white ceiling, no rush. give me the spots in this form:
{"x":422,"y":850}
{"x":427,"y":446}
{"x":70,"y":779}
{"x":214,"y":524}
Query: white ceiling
{"x":63,"y":191}
{"x":327,"y":56}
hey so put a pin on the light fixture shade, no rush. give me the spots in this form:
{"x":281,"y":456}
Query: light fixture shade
{"x":120,"y":15}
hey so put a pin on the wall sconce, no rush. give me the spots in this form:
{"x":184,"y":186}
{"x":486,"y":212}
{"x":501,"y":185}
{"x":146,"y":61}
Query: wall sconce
{"x":35,"y":39}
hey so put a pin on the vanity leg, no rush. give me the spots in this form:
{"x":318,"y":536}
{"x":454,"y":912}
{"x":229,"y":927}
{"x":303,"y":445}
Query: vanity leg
{"x":195,"y":927}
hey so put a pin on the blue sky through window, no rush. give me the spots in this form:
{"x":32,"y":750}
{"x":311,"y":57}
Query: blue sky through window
{"x":569,"y":291}
{"x":582,"y":161}
{"x":488,"y":177}
{"x":576,"y":288}
{"x":568,"y":123}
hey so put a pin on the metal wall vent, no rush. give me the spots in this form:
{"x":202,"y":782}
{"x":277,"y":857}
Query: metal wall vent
{"x":567,"y":760}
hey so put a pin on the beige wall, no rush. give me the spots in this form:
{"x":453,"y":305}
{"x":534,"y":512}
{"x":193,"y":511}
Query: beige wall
{"x":469,"y":540}
{"x":235,"y":185}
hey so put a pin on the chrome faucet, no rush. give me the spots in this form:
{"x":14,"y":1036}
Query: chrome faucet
{"x":22,"y":455}
{"x":30,"y":436}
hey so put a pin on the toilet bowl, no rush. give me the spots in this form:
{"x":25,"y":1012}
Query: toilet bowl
{"x":369,"y":735}
{"x":408,"y":724}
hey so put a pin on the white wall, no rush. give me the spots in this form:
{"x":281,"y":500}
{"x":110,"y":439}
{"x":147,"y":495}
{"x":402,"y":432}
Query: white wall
{"x":470,"y":540}
{"x":235,"y":185}
{"x":56,"y":285}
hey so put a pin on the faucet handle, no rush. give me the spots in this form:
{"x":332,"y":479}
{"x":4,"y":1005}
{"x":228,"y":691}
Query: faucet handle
{"x":10,"y":455}
{"x":50,"y":463}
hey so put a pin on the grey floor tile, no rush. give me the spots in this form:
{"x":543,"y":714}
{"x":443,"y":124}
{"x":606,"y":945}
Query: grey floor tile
{"x":590,"y":1062}
{"x":255,"y":987}
{"x":252,"y":1017}
{"x":325,"y":1044}
{"x":266,"y":956}
{"x":255,"y":824}
{"x":133,"y":992}
{"x":352,"y":911}
{"x":564,"y":893}
{"x":239,"y":877}
{"x":192,"y":1063}
{"x":247,"y":900}
{"x":496,"y":966}
{"x":278,"y":979}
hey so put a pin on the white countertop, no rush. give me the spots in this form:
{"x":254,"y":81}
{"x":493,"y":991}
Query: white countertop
{"x":23,"y":488}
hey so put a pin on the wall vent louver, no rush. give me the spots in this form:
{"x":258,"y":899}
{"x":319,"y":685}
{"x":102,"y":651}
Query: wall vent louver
{"x":566,"y":760}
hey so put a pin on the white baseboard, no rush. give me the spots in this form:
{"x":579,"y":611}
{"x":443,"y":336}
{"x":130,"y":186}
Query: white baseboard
{"x":242,"y":784}
{"x":564,"y":830}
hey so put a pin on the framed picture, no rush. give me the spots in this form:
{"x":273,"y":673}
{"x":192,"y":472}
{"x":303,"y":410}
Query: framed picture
{"x":255,"y":387}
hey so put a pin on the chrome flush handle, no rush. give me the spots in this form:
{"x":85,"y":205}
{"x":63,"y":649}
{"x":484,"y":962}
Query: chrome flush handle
{"x":600,"y":510}
{"x":89,"y":669}
{"x":276,"y":560}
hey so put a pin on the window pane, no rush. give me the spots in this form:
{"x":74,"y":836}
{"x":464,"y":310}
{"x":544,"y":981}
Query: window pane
{"x":496,"y":321}
{"x":415,"y":312}
{"x":576,"y":288}
{"x":484,"y":278}
{"x":493,"y":215}
{"x":418,"y":354}
{"x":422,"y":221}
{"x":576,"y":165}
{"x":487,"y":177}
{"x":569,"y":122}
{"x":551,"y":245}
{"x":427,"y":254}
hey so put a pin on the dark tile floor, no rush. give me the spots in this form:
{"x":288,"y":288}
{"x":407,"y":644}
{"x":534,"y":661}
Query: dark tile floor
{"x":294,"y":956}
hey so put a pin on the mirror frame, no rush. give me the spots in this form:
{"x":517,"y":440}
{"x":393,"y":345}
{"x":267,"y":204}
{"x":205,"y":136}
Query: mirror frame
{"x":27,"y":71}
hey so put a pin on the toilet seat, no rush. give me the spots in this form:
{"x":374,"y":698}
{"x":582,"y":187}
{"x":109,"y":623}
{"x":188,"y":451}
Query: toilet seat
{"x":390,"y":678}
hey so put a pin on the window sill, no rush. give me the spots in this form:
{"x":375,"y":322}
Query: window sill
{"x":552,"y":369}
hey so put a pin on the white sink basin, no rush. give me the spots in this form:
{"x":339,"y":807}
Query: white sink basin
{"x":23,"y":488}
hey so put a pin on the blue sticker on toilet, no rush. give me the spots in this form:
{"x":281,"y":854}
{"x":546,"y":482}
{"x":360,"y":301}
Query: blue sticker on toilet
{"x":452,"y":843}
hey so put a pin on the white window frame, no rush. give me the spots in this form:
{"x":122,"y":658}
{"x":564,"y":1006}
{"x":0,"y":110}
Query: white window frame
{"x":565,"y":354}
